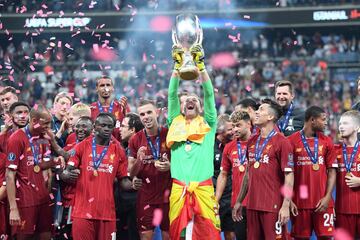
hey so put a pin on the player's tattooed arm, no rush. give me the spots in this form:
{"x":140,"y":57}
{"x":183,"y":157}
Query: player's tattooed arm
{"x":237,"y":210}
{"x":55,"y":146}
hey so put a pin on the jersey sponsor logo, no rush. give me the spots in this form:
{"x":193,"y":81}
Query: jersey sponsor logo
{"x":11,"y":156}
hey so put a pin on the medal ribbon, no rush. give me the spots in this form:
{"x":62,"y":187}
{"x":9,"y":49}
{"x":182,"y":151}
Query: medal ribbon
{"x":241,"y":154}
{"x":155,"y":151}
{"x":33,"y":148}
{"x":283,"y":124}
{"x":101,"y":109}
{"x":352,"y":156}
{"x":97,"y":161}
{"x":313,"y":158}
{"x":258,"y":152}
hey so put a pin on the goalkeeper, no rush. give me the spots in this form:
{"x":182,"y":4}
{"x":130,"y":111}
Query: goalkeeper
{"x":191,"y":137}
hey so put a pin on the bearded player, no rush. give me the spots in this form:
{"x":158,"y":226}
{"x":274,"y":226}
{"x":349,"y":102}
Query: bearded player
{"x":270,"y":168}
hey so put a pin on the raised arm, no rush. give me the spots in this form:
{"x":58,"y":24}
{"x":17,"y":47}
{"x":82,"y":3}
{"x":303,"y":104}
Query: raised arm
{"x":210,"y":113}
{"x":173,"y":99}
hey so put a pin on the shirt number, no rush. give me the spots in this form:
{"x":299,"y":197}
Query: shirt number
{"x":329,"y":220}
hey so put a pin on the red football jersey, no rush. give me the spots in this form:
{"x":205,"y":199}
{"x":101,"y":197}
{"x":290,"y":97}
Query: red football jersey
{"x":3,"y":202}
{"x":155,"y":183}
{"x":94,"y":197}
{"x":68,"y":189}
{"x":31,"y":187}
{"x":266,"y":181}
{"x":70,"y":141}
{"x":4,"y":140}
{"x":117,"y":110}
{"x":347,"y":199}
{"x":230,"y":163}
{"x":307,"y":179}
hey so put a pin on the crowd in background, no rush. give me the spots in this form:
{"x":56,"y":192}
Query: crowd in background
{"x":261,"y":60}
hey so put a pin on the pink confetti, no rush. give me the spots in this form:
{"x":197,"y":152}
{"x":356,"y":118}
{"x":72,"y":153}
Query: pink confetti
{"x":222,"y":60}
{"x":304,"y":192}
{"x":59,"y":203}
{"x":144,"y":57}
{"x":96,"y":48}
{"x":286,"y":191}
{"x":91,"y":200}
{"x":82,"y":41}
{"x":103,"y":54}
{"x":116,"y":7}
{"x":147,"y":180}
{"x":342,"y":234}
{"x":68,"y":46}
{"x":32,"y":68}
{"x":161,"y":24}
{"x":88,"y":215}
{"x":37,"y":125}
{"x":157,"y":218}
{"x":146,"y":207}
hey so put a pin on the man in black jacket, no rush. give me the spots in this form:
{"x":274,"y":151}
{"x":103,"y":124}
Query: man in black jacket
{"x":293,"y":117}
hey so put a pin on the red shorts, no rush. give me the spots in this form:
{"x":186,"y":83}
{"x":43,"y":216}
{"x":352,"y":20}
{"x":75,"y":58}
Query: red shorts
{"x":36,"y":219}
{"x":308,"y":220}
{"x":145,"y":215}
{"x":4,"y":220}
{"x":93,"y":229}
{"x":349,"y":222}
{"x":264,"y":225}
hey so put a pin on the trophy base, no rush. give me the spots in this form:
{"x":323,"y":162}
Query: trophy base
{"x":189,"y":73}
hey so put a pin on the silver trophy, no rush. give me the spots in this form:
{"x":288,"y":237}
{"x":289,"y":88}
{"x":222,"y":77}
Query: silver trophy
{"x":187,"y":32}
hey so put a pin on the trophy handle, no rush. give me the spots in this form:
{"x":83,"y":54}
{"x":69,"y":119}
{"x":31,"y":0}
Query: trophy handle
{"x":200,"y":34}
{"x":174,"y":38}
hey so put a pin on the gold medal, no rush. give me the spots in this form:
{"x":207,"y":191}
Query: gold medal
{"x":241,"y":168}
{"x":188,"y":147}
{"x":348,"y":174}
{"x":316,"y":166}
{"x":37,"y":169}
{"x":95,"y":173}
{"x":256,"y":164}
